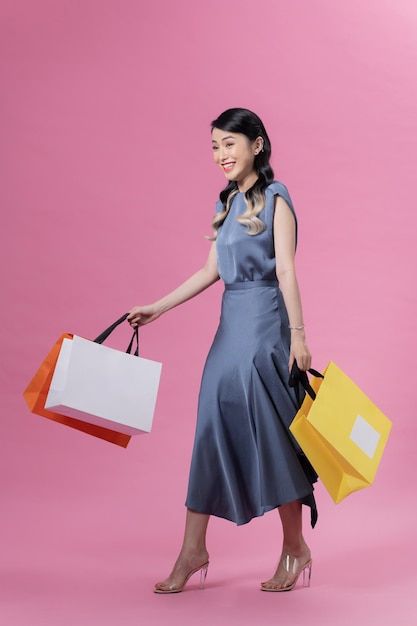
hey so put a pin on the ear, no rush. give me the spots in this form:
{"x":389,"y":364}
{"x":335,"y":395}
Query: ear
{"x":258,"y":145}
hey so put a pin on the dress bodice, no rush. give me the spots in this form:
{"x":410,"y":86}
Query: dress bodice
{"x":242,"y":257}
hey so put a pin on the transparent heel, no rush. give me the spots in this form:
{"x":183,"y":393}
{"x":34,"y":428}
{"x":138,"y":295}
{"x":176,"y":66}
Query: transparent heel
{"x":307,"y":574}
{"x":165,"y":587}
{"x":203,"y":575}
{"x":293,"y":569}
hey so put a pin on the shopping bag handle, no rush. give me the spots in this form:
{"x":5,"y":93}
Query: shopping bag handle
{"x":103,"y":336}
{"x":297,"y":378}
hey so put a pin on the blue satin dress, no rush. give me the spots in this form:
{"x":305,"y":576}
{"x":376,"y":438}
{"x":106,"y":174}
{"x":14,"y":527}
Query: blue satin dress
{"x":245,"y":460}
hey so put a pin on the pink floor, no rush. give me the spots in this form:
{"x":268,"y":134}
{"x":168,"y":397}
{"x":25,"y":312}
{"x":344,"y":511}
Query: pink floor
{"x":107,"y":190}
{"x":86,"y":549}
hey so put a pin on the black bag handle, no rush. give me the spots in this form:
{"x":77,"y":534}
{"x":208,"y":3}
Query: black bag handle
{"x":103,"y":336}
{"x":297,"y":378}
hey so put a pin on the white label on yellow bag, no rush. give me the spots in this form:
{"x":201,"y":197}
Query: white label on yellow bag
{"x":365,"y":436}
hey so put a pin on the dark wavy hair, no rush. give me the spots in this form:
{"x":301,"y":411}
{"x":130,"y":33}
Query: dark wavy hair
{"x":247,"y":123}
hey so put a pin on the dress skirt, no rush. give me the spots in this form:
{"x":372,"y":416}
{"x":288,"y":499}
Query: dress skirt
{"x":245,"y":461}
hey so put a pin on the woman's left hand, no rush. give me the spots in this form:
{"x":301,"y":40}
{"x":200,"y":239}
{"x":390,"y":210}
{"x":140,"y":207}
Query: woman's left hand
{"x":299,"y":352}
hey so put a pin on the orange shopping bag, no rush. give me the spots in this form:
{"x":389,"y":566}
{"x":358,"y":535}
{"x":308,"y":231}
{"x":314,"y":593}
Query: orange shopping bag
{"x":37,"y":390}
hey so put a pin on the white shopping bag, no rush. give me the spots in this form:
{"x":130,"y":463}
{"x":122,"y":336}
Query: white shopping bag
{"x":103,"y":386}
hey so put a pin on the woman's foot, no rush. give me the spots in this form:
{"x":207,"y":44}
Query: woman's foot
{"x":184,"y":568}
{"x":290,"y":566}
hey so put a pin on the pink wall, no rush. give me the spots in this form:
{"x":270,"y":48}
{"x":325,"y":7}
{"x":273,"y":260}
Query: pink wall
{"x":107,"y":190}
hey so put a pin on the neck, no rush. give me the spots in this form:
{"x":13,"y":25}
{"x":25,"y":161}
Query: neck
{"x":248,"y":182}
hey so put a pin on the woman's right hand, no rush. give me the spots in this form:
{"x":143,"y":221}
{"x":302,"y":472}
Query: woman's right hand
{"x":141,"y":315}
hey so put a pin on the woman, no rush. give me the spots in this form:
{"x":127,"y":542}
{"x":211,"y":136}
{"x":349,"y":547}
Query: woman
{"x":245,"y":461}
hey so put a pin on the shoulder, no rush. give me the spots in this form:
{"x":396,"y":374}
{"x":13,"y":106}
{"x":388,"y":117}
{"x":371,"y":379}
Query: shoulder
{"x":219,"y":206}
{"x":277,"y":188}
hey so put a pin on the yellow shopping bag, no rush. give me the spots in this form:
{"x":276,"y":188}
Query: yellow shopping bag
{"x":341,"y":432}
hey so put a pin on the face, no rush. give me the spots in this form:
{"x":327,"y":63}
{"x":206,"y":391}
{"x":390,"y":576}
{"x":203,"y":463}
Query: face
{"x":235,"y":154}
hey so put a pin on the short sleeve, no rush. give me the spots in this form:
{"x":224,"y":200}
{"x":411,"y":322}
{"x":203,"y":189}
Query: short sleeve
{"x":279,"y":189}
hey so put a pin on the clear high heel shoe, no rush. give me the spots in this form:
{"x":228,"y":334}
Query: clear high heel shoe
{"x":177,"y":589}
{"x":291,"y":565}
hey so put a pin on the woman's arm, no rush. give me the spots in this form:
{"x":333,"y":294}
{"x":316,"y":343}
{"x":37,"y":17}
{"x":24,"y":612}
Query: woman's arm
{"x":284,"y":235}
{"x":199,"y":281}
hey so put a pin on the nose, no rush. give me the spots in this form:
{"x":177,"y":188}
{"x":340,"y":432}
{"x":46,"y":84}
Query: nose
{"x":223,"y":153}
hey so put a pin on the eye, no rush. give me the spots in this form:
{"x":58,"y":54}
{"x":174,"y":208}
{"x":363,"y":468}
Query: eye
{"x":229,"y":145}
{"x":215,"y":147}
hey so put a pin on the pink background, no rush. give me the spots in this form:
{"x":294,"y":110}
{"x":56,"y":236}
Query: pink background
{"x":107,"y":191}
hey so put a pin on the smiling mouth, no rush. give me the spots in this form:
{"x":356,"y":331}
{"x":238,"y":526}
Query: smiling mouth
{"x":228,"y":166}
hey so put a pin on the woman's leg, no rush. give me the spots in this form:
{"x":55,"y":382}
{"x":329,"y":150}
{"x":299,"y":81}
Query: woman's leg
{"x":193,"y":554}
{"x":295,"y":552}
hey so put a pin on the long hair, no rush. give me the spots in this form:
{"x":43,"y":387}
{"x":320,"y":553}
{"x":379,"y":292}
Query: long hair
{"x":249,"y":124}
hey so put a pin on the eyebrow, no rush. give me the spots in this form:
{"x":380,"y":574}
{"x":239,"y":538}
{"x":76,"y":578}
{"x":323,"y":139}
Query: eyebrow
{"x":223,"y":138}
